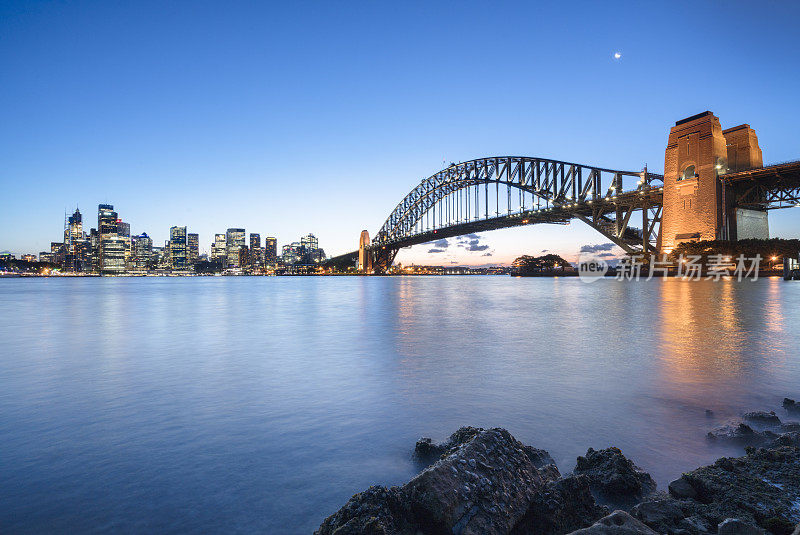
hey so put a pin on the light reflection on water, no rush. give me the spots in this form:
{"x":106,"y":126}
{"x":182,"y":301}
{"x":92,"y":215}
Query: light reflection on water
{"x":244,"y":404}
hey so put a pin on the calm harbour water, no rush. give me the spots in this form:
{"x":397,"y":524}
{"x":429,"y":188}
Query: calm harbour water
{"x":262,"y":404}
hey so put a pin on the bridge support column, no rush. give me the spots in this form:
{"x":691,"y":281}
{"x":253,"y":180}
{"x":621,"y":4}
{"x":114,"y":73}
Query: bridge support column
{"x":364,"y":254}
{"x":696,"y":206}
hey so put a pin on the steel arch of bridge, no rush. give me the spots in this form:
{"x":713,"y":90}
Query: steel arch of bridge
{"x":458,"y":200}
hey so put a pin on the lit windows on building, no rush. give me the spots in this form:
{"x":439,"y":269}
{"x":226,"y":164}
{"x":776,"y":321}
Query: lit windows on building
{"x":192,"y":248}
{"x":234,"y":241}
{"x":177,"y":248}
{"x":270,"y":250}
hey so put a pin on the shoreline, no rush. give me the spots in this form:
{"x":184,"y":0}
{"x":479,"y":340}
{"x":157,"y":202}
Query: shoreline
{"x":485,"y":481}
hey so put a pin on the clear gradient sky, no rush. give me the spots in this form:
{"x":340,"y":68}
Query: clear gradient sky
{"x":294,"y":117}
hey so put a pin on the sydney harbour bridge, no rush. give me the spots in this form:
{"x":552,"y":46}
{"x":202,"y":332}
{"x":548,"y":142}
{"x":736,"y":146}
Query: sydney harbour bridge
{"x":714,"y":187}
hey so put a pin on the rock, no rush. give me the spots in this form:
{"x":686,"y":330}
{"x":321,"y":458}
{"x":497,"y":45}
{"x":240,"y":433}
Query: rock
{"x":562,"y":506}
{"x":484,"y":482}
{"x":796,"y":530}
{"x":791,"y":405}
{"x":660,"y":512}
{"x":614,"y":479}
{"x":734,"y":526}
{"x":617,"y":523}
{"x":488,"y":496}
{"x":785,"y":439}
{"x":769,"y":419}
{"x":426,"y":450}
{"x":376,"y":511}
{"x":682,"y":488}
{"x":761,"y":488}
{"x":741,"y":433}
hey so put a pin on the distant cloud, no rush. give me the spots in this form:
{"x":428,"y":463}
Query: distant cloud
{"x":545,"y":250}
{"x":597,"y":248}
{"x":441,"y":244}
{"x":486,"y":254}
{"x":436,"y":250}
{"x":607,"y":255}
{"x":476,"y":247}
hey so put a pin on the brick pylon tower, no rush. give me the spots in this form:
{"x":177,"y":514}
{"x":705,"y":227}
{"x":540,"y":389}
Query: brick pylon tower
{"x":696,"y":205}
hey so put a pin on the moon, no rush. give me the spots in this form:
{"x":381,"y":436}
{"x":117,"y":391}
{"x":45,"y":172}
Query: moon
{"x":617,"y":55}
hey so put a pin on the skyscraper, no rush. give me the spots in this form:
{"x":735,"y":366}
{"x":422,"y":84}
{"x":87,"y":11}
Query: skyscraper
{"x":270,"y":250}
{"x":218,"y":248}
{"x":234,"y":240}
{"x":310,"y":242}
{"x":256,"y":254}
{"x":141,"y":251}
{"x":177,"y":248}
{"x":106,"y":229}
{"x":192,"y":248}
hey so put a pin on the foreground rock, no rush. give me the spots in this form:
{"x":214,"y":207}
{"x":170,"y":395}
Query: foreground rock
{"x":760,"y":491}
{"x":485,"y":482}
{"x":614,"y":479}
{"x":617,"y":523}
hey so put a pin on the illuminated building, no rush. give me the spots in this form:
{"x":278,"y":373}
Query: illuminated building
{"x":256,"y":254}
{"x":177,"y":248}
{"x":310,"y":242}
{"x":106,"y":229}
{"x":141,"y":251}
{"x":192,"y":248}
{"x":270,"y":250}
{"x":29,"y":258}
{"x":234,"y":241}
{"x":218,"y":248}
{"x":113,"y":255}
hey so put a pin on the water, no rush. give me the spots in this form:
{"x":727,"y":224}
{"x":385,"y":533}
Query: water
{"x":261,"y":404}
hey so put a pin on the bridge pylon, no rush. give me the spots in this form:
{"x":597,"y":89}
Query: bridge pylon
{"x":364,"y":253}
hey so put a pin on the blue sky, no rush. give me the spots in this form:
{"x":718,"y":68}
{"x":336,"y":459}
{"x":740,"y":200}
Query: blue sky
{"x":294,"y":117}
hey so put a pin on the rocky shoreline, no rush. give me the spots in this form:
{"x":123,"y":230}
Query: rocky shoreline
{"x":484,"y":481}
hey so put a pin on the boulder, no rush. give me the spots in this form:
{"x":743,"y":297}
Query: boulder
{"x":741,"y":433}
{"x":617,"y":523}
{"x":761,"y":489}
{"x":791,"y":405}
{"x":484,"y":482}
{"x":485,"y":485}
{"x":376,"y":511}
{"x":682,"y":488}
{"x":762,"y":418}
{"x":734,"y":526}
{"x":614,"y":479}
{"x":659,"y":512}
{"x":560,"y":507}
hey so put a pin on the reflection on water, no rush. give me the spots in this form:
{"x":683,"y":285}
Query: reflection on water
{"x":244,"y":404}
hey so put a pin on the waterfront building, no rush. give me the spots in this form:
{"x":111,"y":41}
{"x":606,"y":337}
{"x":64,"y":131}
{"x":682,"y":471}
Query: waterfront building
{"x":29,"y":258}
{"x":291,"y":253}
{"x":219,"y":248}
{"x":106,"y":229}
{"x":244,"y":256}
{"x":309,"y":242}
{"x":192,"y":248}
{"x":270,"y":250}
{"x":6,"y":256}
{"x":256,"y":253}
{"x":234,"y":241}
{"x":113,"y":255}
{"x":141,"y":251}
{"x":177,"y":248}
{"x":44,"y":256}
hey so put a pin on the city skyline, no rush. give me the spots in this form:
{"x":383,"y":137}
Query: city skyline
{"x":266,"y":130}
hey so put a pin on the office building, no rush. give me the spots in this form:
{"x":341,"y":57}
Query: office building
{"x":192,"y":248}
{"x":177,"y":248}
{"x":270,"y":250}
{"x":234,"y":241}
{"x":218,"y":248}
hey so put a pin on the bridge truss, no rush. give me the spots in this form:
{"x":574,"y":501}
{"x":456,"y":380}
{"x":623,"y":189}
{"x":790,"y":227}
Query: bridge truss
{"x":508,"y":191}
